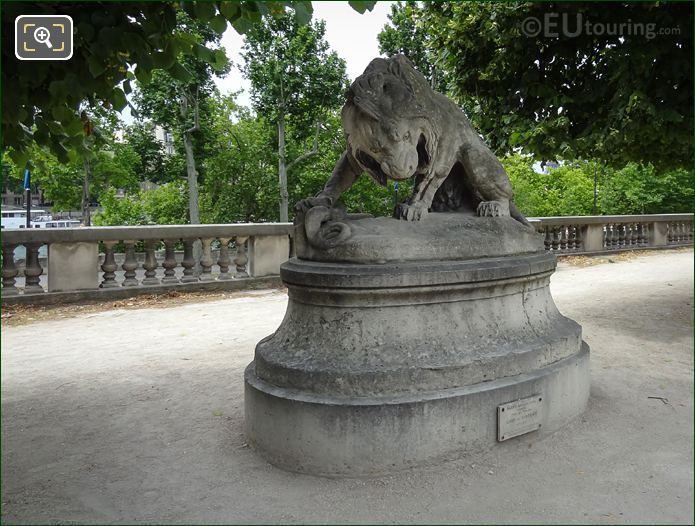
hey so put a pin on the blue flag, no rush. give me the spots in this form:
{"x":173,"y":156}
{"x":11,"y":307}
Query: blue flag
{"x":27,"y":179}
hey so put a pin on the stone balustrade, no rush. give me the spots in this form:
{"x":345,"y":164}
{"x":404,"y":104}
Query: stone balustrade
{"x":229,"y":256}
{"x":157,"y":259}
{"x":601,"y":234}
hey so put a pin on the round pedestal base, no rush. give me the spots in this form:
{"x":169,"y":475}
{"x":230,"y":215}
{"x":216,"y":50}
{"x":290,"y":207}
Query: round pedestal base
{"x":379,"y":367}
{"x":340,"y":436}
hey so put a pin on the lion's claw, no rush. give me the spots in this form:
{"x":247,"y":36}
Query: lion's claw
{"x":410,"y":212}
{"x":303,"y":206}
{"x":493,"y":209}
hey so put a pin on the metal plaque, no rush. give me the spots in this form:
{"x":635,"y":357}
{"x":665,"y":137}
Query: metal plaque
{"x":519,"y":417}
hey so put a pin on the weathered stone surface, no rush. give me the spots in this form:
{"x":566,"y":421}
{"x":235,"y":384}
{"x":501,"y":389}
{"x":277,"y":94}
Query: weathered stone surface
{"x":397,"y":127}
{"x":266,"y":254}
{"x":379,"y":367}
{"x":354,"y":330}
{"x":73,"y":266}
{"x":401,"y":338}
{"x":438,"y":237}
{"x":340,"y":436}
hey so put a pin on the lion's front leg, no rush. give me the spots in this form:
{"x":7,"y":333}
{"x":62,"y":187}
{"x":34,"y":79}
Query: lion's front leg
{"x":411,"y":211}
{"x":418,"y":205}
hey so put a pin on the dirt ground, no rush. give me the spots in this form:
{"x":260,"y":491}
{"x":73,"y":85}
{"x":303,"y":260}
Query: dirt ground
{"x":123,"y":413}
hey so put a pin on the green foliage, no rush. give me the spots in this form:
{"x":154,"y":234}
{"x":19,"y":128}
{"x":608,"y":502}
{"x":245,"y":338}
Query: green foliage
{"x":165,"y":205}
{"x":640,"y":189}
{"x":119,"y":211}
{"x":172,"y":92}
{"x":405,"y":34}
{"x":292,"y":71}
{"x":114,"y":44}
{"x":113,"y":165}
{"x":569,"y":189}
{"x":155,"y":165}
{"x":615,"y":97}
{"x":241,"y":182}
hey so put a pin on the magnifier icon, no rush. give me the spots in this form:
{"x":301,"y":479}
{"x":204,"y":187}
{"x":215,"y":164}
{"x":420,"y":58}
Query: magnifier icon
{"x":42,"y":35}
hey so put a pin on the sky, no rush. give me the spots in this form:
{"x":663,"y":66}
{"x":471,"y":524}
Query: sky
{"x":350,"y":34}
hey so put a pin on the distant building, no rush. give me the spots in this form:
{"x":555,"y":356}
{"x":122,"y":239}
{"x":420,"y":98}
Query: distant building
{"x":166,"y":138}
{"x":18,"y":199}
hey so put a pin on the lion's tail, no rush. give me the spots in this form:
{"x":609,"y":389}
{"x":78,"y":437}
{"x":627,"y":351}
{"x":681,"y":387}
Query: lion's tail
{"x":516,"y":214}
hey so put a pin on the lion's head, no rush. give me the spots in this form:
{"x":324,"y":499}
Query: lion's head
{"x":387,"y":128}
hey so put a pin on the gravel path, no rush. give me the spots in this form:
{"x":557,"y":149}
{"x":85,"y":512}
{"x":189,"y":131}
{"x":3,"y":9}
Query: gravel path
{"x":136,"y":416}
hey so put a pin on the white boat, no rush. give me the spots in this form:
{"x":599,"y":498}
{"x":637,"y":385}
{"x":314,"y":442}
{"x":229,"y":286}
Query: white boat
{"x":12,"y":219}
{"x":39,"y":219}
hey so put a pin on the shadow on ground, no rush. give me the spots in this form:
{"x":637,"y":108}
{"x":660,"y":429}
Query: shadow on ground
{"x":137,"y":417}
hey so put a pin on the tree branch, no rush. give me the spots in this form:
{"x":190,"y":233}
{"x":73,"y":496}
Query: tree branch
{"x":196,"y":107}
{"x":314,"y":150}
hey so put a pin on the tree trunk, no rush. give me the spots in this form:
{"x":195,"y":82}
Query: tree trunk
{"x":192,"y":177}
{"x":282,"y":170}
{"x":193,"y":204}
{"x":86,"y":217}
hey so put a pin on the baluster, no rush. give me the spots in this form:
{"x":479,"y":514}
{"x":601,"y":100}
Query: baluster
{"x":32,"y":268}
{"x":206,"y":260}
{"x":109,"y":266}
{"x":629,"y":234}
{"x":621,"y":235}
{"x":240,"y":259}
{"x":547,"y":241}
{"x":224,"y":260}
{"x":563,"y":237}
{"x":556,"y":238}
{"x":150,"y":264}
{"x":9,"y":271}
{"x":188,"y":262}
{"x":607,"y":235}
{"x":130,"y":264}
{"x":642,"y":234}
{"x":570,"y":237}
{"x":169,"y":262}
{"x":681,"y":231}
{"x":614,"y":235}
{"x":578,"y":240}
{"x":610,"y":233}
{"x":690,"y":231}
{"x":669,"y":235}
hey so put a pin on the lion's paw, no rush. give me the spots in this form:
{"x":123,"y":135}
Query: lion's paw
{"x":410,"y":212}
{"x":493,"y":209}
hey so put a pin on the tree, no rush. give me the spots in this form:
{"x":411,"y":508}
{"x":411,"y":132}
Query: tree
{"x":165,"y":205}
{"x":80,"y":183}
{"x":616,"y":95}
{"x":240,"y":181}
{"x":155,"y":166}
{"x":295,"y":79}
{"x":114,"y":43}
{"x":190,"y":90}
{"x":640,"y":189}
{"x":406,"y":35}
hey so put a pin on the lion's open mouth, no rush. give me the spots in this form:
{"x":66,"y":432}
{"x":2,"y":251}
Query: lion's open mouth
{"x":423,"y":158}
{"x":373,"y":167}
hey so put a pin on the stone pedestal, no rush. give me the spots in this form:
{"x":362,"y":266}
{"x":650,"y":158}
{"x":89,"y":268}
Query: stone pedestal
{"x":377,"y":367}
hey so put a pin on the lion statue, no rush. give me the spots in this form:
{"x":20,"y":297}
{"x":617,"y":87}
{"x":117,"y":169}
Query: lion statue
{"x":397,"y":127}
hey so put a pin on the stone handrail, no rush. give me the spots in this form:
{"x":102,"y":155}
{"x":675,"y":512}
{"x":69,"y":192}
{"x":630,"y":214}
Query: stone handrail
{"x":74,"y":263}
{"x":600,"y":234}
{"x":248,"y":254}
